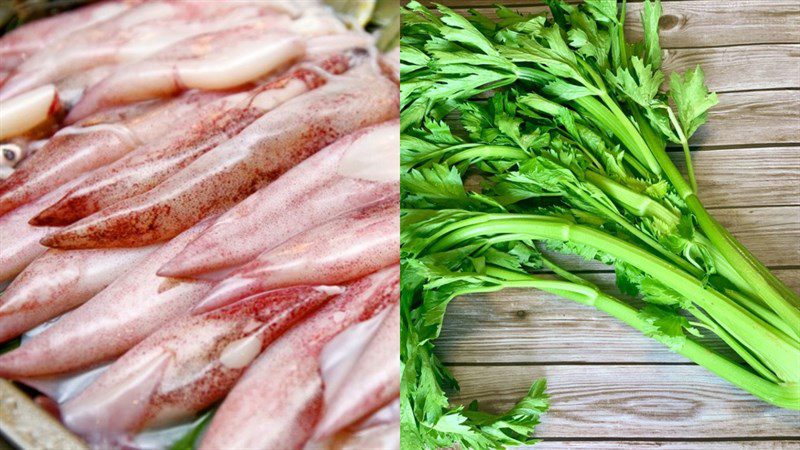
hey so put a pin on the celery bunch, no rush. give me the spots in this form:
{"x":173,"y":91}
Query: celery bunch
{"x":564,"y":125}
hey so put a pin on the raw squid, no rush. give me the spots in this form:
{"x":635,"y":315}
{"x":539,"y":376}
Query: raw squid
{"x":321,"y":45}
{"x":140,"y":32}
{"x":95,"y":142}
{"x":282,"y":391}
{"x":390,"y":62}
{"x":113,"y":321}
{"x":343,"y":249}
{"x":29,"y":112}
{"x":71,"y":89}
{"x":145,"y":168}
{"x":13,"y":152}
{"x":19,"y":44}
{"x":389,"y":413}
{"x":211,"y":61}
{"x":19,"y":242}
{"x":378,"y":437}
{"x":379,"y":431}
{"x":186,"y":367}
{"x":356,"y":170}
{"x":227,"y":174}
{"x":371,"y":378}
{"x":59,"y":281}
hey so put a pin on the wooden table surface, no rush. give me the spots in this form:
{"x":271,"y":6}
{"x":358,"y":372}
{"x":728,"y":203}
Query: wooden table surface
{"x":611,"y":387}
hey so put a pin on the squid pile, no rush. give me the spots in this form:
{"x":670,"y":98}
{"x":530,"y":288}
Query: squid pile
{"x":200,"y":225}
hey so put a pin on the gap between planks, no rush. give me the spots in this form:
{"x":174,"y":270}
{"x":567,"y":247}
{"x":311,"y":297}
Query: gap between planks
{"x":741,"y":67}
{"x":726,"y":177}
{"x":635,"y":402}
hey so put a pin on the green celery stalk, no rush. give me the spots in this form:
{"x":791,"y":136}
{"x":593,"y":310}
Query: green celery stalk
{"x":785,"y":395}
{"x":777,"y":350}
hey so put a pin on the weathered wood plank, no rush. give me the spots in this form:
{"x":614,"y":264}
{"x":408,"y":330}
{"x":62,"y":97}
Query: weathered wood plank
{"x":519,"y":326}
{"x":549,"y":444}
{"x":746,"y":177}
{"x":636,"y":401}
{"x":701,"y":23}
{"x":740,"y":68}
{"x":751,"y":118}
{"x":711,"y":23}
{"x":772,"y":234}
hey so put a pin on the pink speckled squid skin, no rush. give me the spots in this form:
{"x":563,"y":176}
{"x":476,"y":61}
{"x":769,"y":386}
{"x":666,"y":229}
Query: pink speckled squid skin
{"x":356,"y":244}
{"x":59,"y":281}
{"x":227,"y":174}
{"x":390,"y":63}
{"x":141,"y":31}
{"x":19,"y":241}
{"x":373,"y":381}
{"x":385,"y":436}
{"x":309,"y":194}
{"x":113,"y":321}
{"x":23,"y":42}
{"x":191,"y":364}
{"x":160,"y":75}
{"x":282,"y":391}
{"x":151,"y":164}
{"x":97,"y":141}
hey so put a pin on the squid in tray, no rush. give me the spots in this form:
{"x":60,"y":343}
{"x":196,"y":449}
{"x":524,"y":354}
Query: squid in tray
{"x":139,"y":32}
{"x":235,"y":169}
{"x":210,"y":61}
{"x":19,"y":241}
{"x":22,"y":42}
{"x":59,"y":281}
{"x":187,"y":366}
{"x":98,"y":141}
{"x":151,"y":164}
{"x":100,"y":138}
{"x":110,"y":323}
{"x":359,"y":369}
{"x":283,"y":390}
{"x":354,"y":171}
{"x":356,"y":244}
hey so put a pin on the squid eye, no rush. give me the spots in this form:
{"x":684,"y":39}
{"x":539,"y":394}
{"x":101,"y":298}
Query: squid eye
{"x":11,"y":154}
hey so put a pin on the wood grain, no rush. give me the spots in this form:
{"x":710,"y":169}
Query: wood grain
{"x":519,"y":326}
{"x":746,"y":177}
{"x":712,"y":23}
{"x":701,"y":23}
{"x":630,"y":401}
{"x":772,"y":234}
{"x":752,"y":118}
{"x":740,"y":67}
